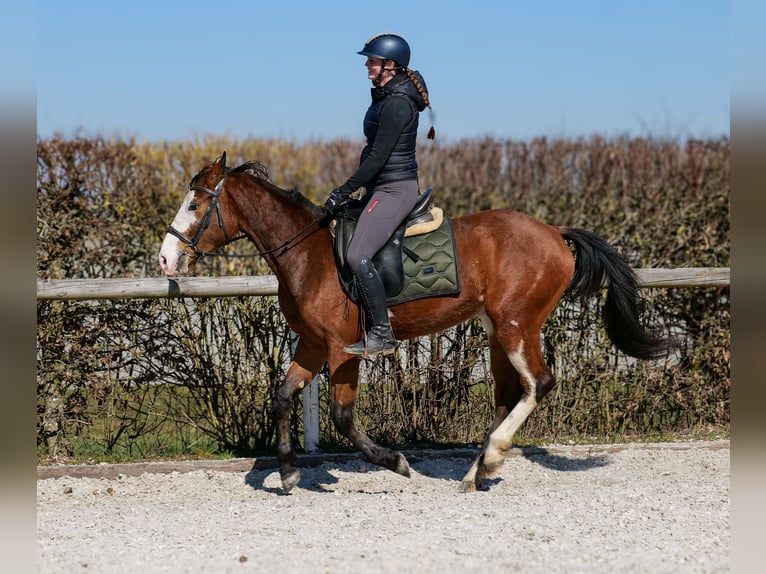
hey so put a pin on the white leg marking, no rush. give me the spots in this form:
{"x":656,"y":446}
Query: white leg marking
{"x":470,"y":480}
{"x":502,"y":438}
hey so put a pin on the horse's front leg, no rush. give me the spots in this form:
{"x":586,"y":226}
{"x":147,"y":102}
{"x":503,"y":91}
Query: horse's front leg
{"x":345,"y":388}
{"x":306,"y":363}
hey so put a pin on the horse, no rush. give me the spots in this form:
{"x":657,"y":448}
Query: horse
{"x":514,"y":270}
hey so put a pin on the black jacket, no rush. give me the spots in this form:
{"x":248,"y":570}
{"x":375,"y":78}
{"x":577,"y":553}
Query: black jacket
{"x":391,"y":128}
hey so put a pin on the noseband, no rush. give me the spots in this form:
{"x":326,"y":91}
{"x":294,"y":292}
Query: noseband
{"x":203,"y":224}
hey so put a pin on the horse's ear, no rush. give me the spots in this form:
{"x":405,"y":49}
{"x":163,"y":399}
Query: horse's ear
{"x":219,"y":165}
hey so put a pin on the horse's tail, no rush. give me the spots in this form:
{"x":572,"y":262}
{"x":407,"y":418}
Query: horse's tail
{"x":598,"y":264}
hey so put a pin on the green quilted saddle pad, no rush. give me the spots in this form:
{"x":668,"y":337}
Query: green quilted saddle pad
{"x":430,"y":265}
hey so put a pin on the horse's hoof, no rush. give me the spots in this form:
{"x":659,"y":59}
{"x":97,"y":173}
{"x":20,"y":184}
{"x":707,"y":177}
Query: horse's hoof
{"x":290,"y":479}
{"x":491,"y":463}
{"x":467,"y":486}
{"x":402,"y":466}
{"x":489,"y":470}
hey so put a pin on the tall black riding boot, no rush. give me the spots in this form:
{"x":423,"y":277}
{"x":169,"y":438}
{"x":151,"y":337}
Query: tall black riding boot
{"x":372,"y":296}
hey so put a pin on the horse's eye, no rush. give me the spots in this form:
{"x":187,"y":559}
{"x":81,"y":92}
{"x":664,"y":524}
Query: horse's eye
{"x":193,"y":207}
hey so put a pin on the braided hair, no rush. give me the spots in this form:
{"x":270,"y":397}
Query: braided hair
{"x":423,"y":94}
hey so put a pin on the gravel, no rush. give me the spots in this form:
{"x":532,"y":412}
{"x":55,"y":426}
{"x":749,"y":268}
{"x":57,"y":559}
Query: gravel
{"x":636,"y":508}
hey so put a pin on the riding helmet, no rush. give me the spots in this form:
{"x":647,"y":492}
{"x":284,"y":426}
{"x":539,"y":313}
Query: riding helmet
{"x":387,"y":47}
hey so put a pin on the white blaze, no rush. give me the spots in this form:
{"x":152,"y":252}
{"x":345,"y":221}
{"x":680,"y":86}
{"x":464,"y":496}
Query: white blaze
{"x":172,"y":247}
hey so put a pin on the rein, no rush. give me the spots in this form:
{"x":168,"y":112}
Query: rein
{"x":294,"y":241}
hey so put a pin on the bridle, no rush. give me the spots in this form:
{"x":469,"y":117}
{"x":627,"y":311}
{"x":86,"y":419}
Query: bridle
{"x":203,"y":224}
{"x":215,"y":205}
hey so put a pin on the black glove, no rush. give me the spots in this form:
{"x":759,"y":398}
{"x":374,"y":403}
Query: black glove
{"x":335,"y":200}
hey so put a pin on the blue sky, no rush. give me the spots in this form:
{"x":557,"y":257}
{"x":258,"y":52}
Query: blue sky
{"x":172,"y":69}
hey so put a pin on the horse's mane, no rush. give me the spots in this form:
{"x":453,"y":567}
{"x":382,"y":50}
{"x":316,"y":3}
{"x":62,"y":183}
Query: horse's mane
{"x":254,"y":168}
{"x":261,"y":173}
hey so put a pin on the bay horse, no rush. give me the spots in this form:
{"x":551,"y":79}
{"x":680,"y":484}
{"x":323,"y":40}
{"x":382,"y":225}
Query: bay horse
{"x":513,"y":269}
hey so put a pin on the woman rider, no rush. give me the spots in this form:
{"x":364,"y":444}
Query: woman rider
{"x":389,"y":172}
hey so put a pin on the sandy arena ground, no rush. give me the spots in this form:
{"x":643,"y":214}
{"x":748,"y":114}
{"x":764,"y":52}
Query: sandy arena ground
{"x":628,"y":508}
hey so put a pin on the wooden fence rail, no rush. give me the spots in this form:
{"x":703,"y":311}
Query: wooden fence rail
{"x":235,"y":286}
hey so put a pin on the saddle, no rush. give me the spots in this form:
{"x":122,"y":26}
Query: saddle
{"x":418,"y":261}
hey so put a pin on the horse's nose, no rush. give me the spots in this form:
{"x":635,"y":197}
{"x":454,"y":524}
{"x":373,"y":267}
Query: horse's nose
{"x":164,"y":264}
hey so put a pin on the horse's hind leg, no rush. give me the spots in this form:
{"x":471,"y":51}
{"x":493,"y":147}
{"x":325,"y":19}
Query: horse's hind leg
{"x":306,"y":363}
{"x":536,"y":381}
{"x":507,"y":393}
{"x":533,"y":381}
{"x":344,"y":380}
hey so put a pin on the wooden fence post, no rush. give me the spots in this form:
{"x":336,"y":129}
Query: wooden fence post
{"x":310,"y":407}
